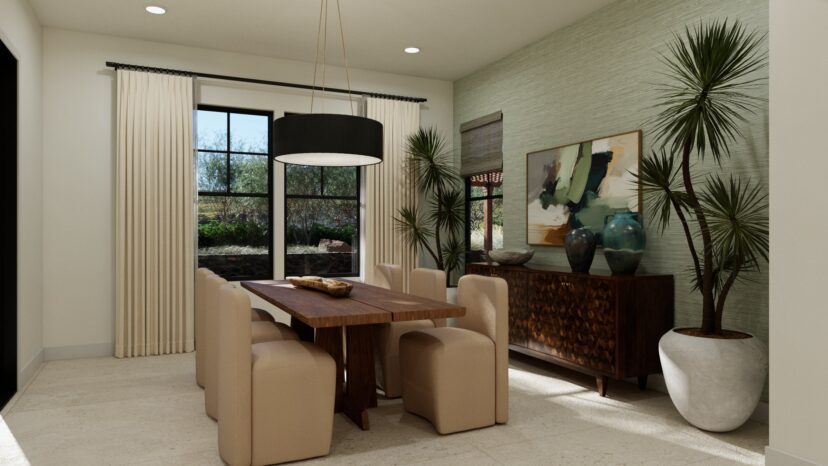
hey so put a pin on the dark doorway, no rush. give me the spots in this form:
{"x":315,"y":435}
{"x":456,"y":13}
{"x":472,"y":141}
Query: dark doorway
{"x":8,"y":254}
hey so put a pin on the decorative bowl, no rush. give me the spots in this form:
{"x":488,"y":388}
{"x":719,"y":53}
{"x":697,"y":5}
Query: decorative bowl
{"x":511,"y":256}
{"x":335,"y":288}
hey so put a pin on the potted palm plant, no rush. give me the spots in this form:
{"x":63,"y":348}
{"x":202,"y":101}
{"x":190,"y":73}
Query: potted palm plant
{"x":437,"y":230}
{"x":714,"y":375}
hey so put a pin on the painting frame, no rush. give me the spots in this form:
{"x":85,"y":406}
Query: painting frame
{"x":637,"y":195}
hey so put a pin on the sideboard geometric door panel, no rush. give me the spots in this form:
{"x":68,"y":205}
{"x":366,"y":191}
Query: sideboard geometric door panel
{"x":603,"y":325}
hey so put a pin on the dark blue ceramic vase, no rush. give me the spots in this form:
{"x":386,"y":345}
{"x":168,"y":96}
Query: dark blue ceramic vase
{"x":624,"y":242}
{"x":580,"y":249}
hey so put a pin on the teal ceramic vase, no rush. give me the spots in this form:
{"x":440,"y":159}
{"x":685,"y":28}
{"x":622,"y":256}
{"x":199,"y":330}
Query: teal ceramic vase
{"x":624,"y":242}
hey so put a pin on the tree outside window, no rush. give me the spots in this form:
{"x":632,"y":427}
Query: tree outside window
{"x":484,"y":214}
{"x":321,"y":221}
{"x":234,"y":176}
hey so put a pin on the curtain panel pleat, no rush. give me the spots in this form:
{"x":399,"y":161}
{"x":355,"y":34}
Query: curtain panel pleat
{"x":389,"y":187}
{"x":154,"y":214}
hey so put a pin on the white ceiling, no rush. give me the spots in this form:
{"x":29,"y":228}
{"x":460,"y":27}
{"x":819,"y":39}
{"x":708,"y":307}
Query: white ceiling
{"x":456,"y":36}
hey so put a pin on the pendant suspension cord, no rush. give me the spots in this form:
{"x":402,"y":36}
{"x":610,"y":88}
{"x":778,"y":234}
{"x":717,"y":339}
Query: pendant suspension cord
{"x":324,"y":53}
{"x":316,"y":59}
{"x":345,"y":58}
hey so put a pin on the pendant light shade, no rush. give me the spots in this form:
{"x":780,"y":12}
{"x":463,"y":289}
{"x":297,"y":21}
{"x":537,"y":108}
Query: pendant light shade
{"x":326,"y":139}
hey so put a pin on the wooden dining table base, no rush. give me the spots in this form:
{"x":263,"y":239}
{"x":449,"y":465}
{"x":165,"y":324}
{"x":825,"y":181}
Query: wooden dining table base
{"x":356,"y":391}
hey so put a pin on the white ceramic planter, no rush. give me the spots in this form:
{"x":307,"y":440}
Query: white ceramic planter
{"x":714,"y":383}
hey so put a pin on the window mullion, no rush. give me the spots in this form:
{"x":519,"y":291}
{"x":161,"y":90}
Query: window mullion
{"x":229,"y":136}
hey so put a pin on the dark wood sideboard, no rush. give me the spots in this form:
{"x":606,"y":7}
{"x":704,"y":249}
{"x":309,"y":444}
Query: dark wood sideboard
{"x":607,"y":326}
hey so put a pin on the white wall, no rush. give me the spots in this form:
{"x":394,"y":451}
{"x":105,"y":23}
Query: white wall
{"x":79,"y":151}
{"x":21,"y":32}
{"x":799,"y":219}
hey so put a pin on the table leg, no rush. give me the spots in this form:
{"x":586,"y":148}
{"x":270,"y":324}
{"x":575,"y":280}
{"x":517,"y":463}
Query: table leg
{"x":361,"y":392}
{"x":330,"y":340}
{"x":302,"y":329}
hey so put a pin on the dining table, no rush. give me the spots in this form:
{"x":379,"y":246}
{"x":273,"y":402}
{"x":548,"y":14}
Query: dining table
{"x":344,"y":328}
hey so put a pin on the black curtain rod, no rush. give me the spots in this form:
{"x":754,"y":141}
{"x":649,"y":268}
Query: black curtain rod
{"x":222,"y":77}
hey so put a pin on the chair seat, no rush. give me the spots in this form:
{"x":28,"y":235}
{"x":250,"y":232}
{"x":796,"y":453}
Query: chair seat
{"x":293,"y":401}
{"x":448,"y":377}
{"x":269,"y":331}
{"x":257,"y":314}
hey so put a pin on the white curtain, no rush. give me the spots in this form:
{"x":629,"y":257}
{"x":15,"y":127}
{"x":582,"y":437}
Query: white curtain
{"x":389,"y":187}
{"x":154,"y":214}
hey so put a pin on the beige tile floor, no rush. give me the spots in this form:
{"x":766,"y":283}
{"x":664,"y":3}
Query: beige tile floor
{"x":149,"y":411}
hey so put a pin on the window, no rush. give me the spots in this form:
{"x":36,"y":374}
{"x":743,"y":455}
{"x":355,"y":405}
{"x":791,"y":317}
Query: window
{"x":484,"y":214}
{"x":321,"y":221}
{"x":234,"y":176}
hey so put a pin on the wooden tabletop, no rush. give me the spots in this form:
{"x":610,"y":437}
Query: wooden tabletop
{"x":315,"y":308}
{"x":366,"y":305}
{"x":404,"y":306}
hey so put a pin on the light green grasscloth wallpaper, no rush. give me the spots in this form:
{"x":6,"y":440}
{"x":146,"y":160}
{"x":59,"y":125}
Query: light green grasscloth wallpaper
{"x":594,"y":78}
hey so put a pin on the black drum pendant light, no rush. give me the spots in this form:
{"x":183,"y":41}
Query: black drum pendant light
{"x":327,"y":139}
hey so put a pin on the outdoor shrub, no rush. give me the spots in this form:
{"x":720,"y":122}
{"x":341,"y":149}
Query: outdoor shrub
{"x":217,"y":233}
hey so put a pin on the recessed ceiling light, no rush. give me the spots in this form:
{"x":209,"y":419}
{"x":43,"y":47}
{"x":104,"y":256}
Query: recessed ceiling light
{"x":412,"y":50}
{"x":156,"y":10}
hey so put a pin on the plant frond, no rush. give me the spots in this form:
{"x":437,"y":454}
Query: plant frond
{"x":724,"y":264}
{"x":737,"y":216}
{"x":659,"y":177}
{"x":409,"y":224}
{"x":454,"y":251}
{"x":710,"y":69}
{"x":431,"y":163}
{"x":451,"y":216}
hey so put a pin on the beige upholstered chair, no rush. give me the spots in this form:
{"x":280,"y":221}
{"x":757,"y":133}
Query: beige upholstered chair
{"x":200,"y":323}
{"x":457,"y":377}
{"x":200,"y":320}
{"x":427,"y":283}
{"x":276,"y":399}
{"x":389,"y":276}
{"x":260,"y":331}
{"x":431,"y":284}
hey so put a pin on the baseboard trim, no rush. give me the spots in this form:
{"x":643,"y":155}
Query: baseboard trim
{"x":776,"y":457}
{"x":760,"y":415}
{"x":95,"y":350}
{"x":24,"y":376}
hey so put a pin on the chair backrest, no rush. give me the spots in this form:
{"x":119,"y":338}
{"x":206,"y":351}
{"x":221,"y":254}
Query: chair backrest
{"x":235,"y":408}
{"x":211,"y":316}
{"x":431,"y":284}
{"x":200,"y":329}
{"x":428,"y":283}
{"x":389,"y":276}
{"x":486,"y":300}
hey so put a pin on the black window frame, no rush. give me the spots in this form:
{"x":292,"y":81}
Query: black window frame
{"x":228,"y":192}
{"x":322,"y":196}
{"x":476,"y":256}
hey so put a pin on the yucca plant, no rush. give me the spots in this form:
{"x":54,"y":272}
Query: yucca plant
{"x":710,"y":71}
{"x":439,"y":230}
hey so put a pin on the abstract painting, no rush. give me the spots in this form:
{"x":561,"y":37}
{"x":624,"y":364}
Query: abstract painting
{"x":579,"y":185}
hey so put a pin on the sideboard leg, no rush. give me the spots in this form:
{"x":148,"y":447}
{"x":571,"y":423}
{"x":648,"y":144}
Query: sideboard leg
{"x":642,"y":382}
{"x":601,"y":382}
